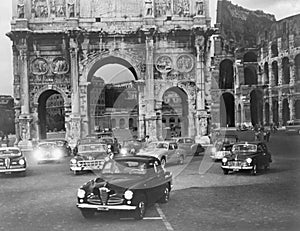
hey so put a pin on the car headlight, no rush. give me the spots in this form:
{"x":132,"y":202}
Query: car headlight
{"x":21,"y":162}
{"x":224,"y":160}
{"x":213,"y":149}
{"x":123,"y":151}
{"x":128,"y":195}
{"x":248,"y":160}
{"x":73,"y":161}
{"x":80,"y":193}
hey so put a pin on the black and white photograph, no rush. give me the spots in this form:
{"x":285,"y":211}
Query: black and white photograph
{"x":142,"y":115}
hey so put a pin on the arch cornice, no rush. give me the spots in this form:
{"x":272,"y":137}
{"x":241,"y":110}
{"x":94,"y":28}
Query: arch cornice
{"x":54,"y":88}
{"x":93,"y":62}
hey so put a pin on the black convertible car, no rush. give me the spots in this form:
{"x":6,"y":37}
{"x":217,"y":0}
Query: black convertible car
{"x":251,"y":156}
{"x":128,"y":184}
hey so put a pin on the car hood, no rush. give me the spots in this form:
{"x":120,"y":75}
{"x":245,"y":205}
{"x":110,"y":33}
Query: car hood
{"x":241,"y":156}
{"x":119,"y":183}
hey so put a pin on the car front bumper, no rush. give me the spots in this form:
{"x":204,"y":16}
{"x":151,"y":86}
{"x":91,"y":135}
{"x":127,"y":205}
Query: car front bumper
{"x":105,"y":207}
{"x":236,"y":168}
{"x":9,"y":170}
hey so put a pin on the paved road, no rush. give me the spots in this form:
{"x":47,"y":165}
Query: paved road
{"x":203,"y":198}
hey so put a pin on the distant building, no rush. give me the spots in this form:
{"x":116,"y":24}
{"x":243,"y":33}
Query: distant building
{"x":256,"y":68}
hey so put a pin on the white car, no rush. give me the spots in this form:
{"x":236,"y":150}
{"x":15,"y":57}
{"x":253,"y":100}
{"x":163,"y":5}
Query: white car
{"x":165,"y":151}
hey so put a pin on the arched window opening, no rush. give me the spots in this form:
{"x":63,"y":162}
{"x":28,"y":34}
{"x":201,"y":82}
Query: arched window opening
{"x":297,"y":68}
{"x":250,"y":76}
{"x":226,"y":80}
{"x":266,"y":72}
{"x":285,"y":112}
{"x":274,"y":50}
{"x":275,"y":72}
{"x":285,"y":70}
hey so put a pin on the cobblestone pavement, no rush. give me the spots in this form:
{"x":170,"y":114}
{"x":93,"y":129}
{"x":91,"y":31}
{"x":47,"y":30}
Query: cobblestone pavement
{"x":202,"y":199}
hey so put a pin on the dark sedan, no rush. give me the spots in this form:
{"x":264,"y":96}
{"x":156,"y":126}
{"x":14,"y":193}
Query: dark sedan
{"x":90,"y":156}
{"x":251,"y":156}
{"x":126,"y":184}
{"x":12,"y":160}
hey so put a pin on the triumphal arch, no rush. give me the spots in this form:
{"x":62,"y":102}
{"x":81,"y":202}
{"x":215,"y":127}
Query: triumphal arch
{"x":59,"y":46}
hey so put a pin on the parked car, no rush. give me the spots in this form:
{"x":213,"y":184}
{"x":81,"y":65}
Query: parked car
{"x":90,"y":156}
{"x":165,"y":151}
{"x":251,"y":156}
{"x":126,"y":184}
{"x":46,"y":151}
{"x":189,"y":145}
{"x":12,"y":160}
{"x":131,"y":147}
{"x":293,"y":127}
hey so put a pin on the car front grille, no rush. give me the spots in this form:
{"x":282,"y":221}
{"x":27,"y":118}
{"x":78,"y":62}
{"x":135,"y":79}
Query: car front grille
{"x":235,"y":163}
{"x":103,"y":199}
{"x":90,"y":163}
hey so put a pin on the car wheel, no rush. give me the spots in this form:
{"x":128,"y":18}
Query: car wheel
{"x":88,"y":213}
{"x":254,"y":170}
{"x":140,"y":210}
{"x":225,"y":171}
{"x":181,"y":159}
{"x":76,"y":172}
{"x":163,"y":162}
{"x":298,"y":132}
{"x":166,"y":196}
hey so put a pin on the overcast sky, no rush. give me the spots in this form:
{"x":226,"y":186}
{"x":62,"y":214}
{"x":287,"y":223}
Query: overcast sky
{"x":280,"y":8}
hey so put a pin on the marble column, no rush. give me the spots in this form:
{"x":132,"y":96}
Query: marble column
{"x":149,"y":88}
{"x":75,"y":119}
{"x":200,"y":84}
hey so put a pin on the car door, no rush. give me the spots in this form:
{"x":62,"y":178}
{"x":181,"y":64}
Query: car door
{"x":172,"y":153}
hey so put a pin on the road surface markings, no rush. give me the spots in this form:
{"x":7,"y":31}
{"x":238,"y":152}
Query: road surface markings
{"x":162,"y":215}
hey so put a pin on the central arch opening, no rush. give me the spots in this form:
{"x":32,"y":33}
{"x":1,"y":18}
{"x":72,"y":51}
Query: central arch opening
{"x":51,"y":113}
{"x":175,"y":113}
{"x":113,"y":98}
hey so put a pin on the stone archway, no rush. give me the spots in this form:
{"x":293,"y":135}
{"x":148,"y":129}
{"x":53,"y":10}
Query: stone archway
{"x":256,"y":107}
{"x":226,"y":80}
{"x":174,"y":113}
{"x":285,"y":112}
{"x":51,"y":113}
{"x":227,"y":110}
{"x":107,"y":100}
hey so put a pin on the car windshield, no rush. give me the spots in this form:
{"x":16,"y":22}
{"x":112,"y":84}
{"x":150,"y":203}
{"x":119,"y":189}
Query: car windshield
{"x":125,"y":167}
{"x":92,"y":148}
{"x":10,"y":152}
{"x":244,"y":148}
{"x":162,"y":145}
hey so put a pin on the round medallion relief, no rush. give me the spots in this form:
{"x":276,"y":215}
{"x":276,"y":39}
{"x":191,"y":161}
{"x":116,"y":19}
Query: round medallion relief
{"x":60,"y":65}
{"x":164,"y":64}
{"x":185,"y":63}
{"x":39,"y":66}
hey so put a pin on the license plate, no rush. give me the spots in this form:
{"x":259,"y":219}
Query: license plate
{"x":102,"y":209}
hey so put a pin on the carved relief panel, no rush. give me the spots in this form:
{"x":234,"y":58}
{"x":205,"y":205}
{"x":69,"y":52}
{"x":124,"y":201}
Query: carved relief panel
{"x":20,"y":9}
{"x":163,"y":8}
{"x":181,"y":7}
{"x":39,"y":8}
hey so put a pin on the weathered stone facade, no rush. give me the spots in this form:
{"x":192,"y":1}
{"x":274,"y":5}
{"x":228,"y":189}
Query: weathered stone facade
{"x":256,"y":68}
{"x":58,"y":45}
